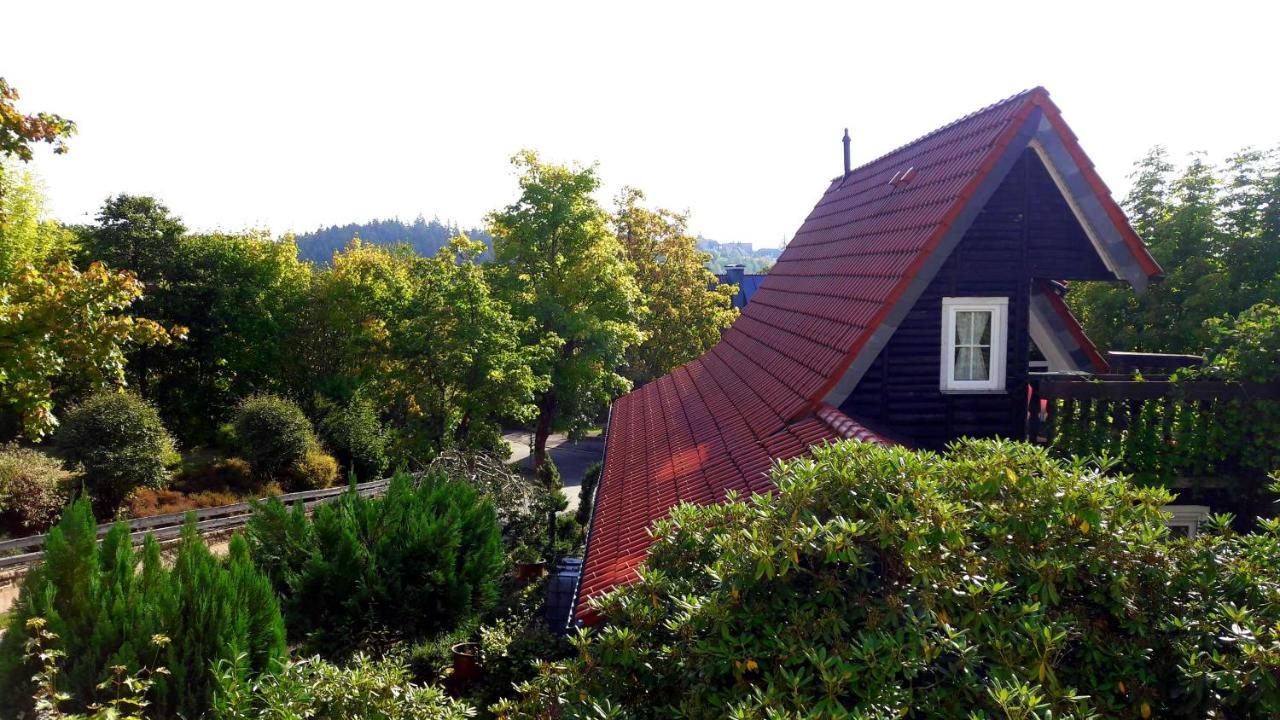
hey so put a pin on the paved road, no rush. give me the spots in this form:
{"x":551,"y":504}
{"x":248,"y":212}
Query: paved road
{"x":572,"y":458}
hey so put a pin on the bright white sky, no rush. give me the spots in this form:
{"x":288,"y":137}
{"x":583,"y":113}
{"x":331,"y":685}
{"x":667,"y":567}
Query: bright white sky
{"x":293,"y":116}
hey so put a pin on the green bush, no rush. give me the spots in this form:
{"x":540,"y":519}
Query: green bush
{"x":408,"y":564}
{"x":33,"y":489}
{"x":990,"y":582}
{"x":106,"y":604}
{"x":273,"y":434}
{"x":1247,"y":346}
{"x":316,"y":470}
{"x":228,"y":474}
{"x":120,"y":442}
{"x":357,"y":438}
{"x":587,"y":492}
{"x":364,"y":689}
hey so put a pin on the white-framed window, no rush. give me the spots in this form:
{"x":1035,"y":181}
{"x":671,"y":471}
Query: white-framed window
{"x":1185,"y":520}
{"x":974,"y":333}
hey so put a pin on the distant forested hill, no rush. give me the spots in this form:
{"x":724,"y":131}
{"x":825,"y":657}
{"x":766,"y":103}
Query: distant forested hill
{"x":424,"y":236}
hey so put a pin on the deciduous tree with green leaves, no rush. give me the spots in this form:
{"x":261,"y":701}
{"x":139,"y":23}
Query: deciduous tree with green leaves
{"x":68,"y":326}
{"x":1216,"y":231}
{"x":19,"y":132}
{"x":559,"y":264}
{"x":686,"y":310}
{"x":427,"y":341}
{"x":27,"y":235}
{"x":241,"y":295}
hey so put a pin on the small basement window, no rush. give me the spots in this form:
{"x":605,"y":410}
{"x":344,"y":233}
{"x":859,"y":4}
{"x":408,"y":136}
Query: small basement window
{"x":974,"y":331}
{"x":1185,"y":520}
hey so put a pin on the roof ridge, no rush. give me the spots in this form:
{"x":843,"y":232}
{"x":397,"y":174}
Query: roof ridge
{"x":1029,"y":92}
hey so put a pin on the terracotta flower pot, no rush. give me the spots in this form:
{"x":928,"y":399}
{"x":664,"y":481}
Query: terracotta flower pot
{"x":466,"y":661}
{"x":526,"y":571}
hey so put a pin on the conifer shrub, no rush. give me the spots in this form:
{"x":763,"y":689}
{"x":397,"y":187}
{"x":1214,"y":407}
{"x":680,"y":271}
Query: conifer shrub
{"x":587,"y":492}
{"x":990,"y":582}
{"x":413,"y":562}
{"x":119,"y":441}
{"x":273,"y":434}
{"x":356,"y":437}
{"x":106,"y":602}
{"x":33,"y":489}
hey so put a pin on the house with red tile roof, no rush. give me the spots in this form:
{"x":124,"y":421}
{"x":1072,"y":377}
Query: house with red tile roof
{"x":910,"y":307}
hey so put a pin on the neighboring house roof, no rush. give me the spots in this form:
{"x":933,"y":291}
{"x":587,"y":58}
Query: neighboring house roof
{"x":770,"y":388}
{"x":747,"y":283}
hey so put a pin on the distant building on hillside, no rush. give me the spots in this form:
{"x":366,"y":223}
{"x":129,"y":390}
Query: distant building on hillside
{"x":736,"y":247}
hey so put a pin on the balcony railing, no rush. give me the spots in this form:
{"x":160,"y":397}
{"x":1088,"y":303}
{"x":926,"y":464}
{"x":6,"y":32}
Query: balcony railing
{"x":1162,"y":430}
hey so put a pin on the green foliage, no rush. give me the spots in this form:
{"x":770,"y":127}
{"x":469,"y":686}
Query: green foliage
{"x":992,"y":581}
{"x":587,"y":493}
{"x":242,"y":297}
{"x":685,"y":308}
{"x":357,"y":438}
{"x":59,"y":324}
{"x":33,"y":489}
{"x":548,"y":475}
{"x":1216,"y":232}
{"x":136,"y":233}
{"x":315,"y":471}
{"x":427,"y":342}
{"x":273,"y":434}
{"x":1247,"y":347}
{"x":1160,"y":441}
{"x":415,"y":561}
{"x":559,"y":265}
{"x":519,"y":501}
{"x":105,"y":603}
{"x":512,"y":644}
{"x":363,"y":689}
{"x":128,"y":690}
{"x":27,"y":235}
{"x":18,"y":132}
{"x":426,"y":237}
{"x":121,"y":444}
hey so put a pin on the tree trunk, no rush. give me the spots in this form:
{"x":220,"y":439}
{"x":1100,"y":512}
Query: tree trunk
{"x":546,"y":411}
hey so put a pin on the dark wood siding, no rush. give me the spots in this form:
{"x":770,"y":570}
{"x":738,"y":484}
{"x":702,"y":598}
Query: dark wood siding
{"x":1057,"y":247}
{"x":1026,"y":230}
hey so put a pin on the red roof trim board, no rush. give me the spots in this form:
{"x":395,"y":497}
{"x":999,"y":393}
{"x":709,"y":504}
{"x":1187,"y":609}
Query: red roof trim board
{"x":1100,"y":189}
{"x":771,"y":388}
{"x":1068,"y":319}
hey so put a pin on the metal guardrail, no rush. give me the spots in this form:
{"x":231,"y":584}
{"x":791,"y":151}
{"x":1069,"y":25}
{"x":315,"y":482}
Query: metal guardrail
{"x":169,"y":525}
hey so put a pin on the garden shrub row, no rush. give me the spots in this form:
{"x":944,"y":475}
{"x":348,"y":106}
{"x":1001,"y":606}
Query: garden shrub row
{"x":990,"y":582}
{"x":114,"y":448}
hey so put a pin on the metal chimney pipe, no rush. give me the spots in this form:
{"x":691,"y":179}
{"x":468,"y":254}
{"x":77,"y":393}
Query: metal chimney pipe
{"x":846,"y":153}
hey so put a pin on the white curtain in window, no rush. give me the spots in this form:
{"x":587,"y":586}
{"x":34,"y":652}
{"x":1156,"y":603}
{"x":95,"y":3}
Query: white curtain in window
{"x":973,"y":345}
